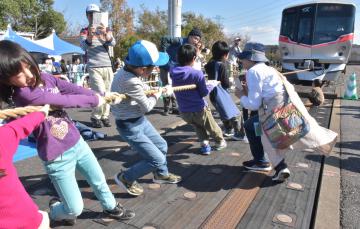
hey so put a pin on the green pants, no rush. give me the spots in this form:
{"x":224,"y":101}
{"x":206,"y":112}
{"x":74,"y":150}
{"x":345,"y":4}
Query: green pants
{"x":204,"y":124}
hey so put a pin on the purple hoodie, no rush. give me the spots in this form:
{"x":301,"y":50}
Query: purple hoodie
{"x":189,"y":100}
{"x":57,"y":133}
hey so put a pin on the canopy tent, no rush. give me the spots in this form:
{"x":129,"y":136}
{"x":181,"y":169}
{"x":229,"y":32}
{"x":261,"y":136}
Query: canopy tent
{"x":59,"y":46}
{"x":29,"y":45}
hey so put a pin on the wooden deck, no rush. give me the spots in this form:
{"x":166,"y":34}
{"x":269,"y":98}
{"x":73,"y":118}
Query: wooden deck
{"x":216,"y":192}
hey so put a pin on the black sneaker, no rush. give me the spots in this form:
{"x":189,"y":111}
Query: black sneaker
{"x":119,"y":213}
{"x":175,"y":111}
{"x":257,"y":166}
{"x":66,"y":222}
{"x":96,"y":123}
{"x":106,"y":122}
{"x":281,"y":175}
{"x":166,"y":112}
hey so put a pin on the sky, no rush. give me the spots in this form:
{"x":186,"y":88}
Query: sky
{"x":258,"y":19}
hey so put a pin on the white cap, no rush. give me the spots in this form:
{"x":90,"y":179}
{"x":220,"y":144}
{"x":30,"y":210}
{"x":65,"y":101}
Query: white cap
{"x":92,"y":8}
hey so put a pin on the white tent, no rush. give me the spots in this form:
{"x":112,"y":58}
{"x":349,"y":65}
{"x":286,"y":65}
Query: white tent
{"x":60,"y":47}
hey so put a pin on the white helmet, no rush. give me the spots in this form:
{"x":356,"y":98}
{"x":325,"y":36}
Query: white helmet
{"x":92,"y":8}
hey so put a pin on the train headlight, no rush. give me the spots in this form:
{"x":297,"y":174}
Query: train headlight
{"x":285,"y":50}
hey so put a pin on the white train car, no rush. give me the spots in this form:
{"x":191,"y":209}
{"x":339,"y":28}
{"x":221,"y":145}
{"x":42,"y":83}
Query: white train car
{"x":320,"y":32}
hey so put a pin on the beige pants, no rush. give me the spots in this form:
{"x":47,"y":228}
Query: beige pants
{"x":45,"y":223}
{"x":204,"y":124}
{"x":100,"y":80}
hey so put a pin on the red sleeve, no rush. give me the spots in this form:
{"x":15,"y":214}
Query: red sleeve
{"x":12,"y":132}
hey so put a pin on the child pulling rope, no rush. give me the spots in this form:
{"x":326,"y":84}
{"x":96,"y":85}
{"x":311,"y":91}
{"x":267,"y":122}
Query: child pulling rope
{"x":21,"y":111}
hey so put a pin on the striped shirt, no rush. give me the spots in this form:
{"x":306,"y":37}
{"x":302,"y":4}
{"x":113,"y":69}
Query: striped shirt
{"x":138,"y":104}
{"x":97,"y":54}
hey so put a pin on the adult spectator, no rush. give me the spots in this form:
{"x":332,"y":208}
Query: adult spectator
{"x":96,"y":42}
{"x":235,"y":50}
{"x":170,"y":45}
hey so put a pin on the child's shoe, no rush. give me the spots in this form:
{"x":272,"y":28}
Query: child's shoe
{"x":119,"y":213}
{"x":66,"y":222}
{"x":228,"y":132}
{"x":133,"y":188}
{"x":220,"y":145}
{"x":205,"y":149}
{"x":240,"y":137}
{"x":169,"y":179}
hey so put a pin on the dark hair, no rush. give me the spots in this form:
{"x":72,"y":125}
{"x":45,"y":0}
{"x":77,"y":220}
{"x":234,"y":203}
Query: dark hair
{"x":219,"y":49}
{"x":186,"y":54}
{"x":11,"y":57}
{"x":317,"y":83}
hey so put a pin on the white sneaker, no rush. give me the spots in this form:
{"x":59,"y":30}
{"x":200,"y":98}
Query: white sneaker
{"x":221,"y":145}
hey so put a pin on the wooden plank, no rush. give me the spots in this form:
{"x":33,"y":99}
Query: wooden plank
{"x":236,"y":202}
{"x":280,"y":199}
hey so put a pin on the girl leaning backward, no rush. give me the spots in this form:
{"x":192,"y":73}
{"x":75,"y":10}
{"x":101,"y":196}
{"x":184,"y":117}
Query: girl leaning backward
{"x":59,"y":143}
{"x":267,"y":91}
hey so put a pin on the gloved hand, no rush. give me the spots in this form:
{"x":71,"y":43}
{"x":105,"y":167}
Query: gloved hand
{"x":101,"y":100}
{"x":45,"y":109}
{"x":211,"y":84}
{"x":167,"y":91}
{"x":158,"y":93}
{"x":114,"y":96}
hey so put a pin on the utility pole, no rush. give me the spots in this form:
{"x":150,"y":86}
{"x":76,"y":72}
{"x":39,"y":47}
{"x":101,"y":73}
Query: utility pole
{"x":174,"y":18}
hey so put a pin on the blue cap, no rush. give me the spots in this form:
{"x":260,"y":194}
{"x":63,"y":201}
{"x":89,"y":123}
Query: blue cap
{"x":144,"y":53}
{"x":253,"y":51}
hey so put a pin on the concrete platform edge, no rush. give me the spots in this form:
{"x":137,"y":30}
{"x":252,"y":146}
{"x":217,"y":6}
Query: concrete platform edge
{"x":328,"y":209}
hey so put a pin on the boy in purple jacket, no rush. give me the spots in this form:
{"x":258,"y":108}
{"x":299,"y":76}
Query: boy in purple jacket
{"x":192,"y":105}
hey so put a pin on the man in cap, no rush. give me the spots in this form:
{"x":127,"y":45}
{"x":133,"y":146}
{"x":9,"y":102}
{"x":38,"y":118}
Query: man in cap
{"x":170,"y":45}
{"x":235,"y":50}
{"x":96,"y":43}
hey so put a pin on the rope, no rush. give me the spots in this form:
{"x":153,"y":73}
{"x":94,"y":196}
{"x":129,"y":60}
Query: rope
{"x":18,"y":111}
{"x":111,"y":98}
{"x":293,"y":72}
{"x":21,"y":111}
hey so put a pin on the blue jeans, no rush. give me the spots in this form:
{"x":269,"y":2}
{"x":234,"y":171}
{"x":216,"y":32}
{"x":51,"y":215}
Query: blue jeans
{"x":62,"y":174}
{"x":256,"y":146}
{"x":146,"y":140}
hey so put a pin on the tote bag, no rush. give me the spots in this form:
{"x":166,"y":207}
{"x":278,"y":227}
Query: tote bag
{"x":223,"y":102}
{"x":285,"y":125}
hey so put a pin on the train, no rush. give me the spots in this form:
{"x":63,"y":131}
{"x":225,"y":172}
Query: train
{"x":318,"y":34}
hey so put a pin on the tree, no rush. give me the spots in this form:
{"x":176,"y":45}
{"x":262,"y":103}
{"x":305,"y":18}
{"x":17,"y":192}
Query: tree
{"x":152,"y":25}
{"x":122,"y":22}
{"x":211,"y":30}
{"x":35,"y":16}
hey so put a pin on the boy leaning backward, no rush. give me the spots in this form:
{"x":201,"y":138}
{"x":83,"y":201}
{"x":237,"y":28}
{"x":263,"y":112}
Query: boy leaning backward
{"x":192,"y":105}
{"x":131,"y":122}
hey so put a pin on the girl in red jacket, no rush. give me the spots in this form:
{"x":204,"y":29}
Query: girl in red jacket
{"x":17,"y":209}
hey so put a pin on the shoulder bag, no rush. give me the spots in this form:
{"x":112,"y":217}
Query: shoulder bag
{"x":223,"y":101}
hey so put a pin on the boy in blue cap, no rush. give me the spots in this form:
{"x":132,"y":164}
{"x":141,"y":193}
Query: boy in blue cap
{"x":130,"y":117}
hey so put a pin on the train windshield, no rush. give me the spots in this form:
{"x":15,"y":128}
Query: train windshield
{"x":317,"y":23}
{"x":332,"y":21}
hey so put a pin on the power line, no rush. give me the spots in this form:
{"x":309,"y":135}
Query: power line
{"x":253,"y":11}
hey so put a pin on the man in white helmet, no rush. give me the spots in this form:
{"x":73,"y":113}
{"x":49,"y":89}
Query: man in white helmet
{"x":96,"y":42}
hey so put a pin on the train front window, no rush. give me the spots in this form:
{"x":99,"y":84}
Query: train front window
{"x":306,"y":18}
{"x":332,"y":21}
{"x":288,"y":23}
